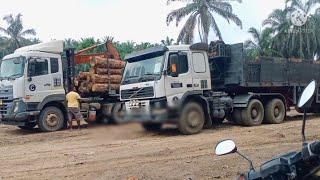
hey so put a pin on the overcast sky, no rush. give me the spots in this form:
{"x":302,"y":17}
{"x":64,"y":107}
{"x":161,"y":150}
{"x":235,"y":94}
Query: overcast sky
{"x":137,"y":20}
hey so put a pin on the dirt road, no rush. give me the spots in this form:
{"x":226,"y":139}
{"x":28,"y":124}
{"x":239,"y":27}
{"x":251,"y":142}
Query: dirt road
{"x":127,"y":151}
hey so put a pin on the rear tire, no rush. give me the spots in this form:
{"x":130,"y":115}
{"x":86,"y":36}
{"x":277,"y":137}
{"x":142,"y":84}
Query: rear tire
{"x":152,"y":126}
{"x":252,"y":115}
{"x":192,"y":119}
{"x":51,"y":119}
{"x":275,"y":112}
{"x":28,"y":126}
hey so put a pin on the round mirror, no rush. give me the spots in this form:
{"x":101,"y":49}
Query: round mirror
{"x":225,"y":147}
{"x":307,"y":94}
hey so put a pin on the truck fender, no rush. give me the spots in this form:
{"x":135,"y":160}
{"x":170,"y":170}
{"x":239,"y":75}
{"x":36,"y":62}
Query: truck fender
{"x":241,"y":101}
{"x":61,"y":98}
{"x":198,"y":96}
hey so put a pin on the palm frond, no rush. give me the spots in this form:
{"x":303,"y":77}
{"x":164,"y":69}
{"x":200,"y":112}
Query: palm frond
{"x":181,"y":13}
{"x":28,"y":32}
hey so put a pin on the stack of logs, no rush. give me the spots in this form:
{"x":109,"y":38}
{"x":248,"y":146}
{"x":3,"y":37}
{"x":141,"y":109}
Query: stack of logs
{"x":105,"y":74}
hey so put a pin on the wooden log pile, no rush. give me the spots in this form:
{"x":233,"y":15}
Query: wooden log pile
{"x":105,"y":74}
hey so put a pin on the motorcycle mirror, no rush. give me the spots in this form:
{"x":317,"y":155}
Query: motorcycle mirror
{"x":307,"y":95}
{"x":305,"y":102}
{"x":225,"y":147}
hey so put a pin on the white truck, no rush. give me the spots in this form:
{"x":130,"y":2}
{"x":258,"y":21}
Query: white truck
{"x":33,"y":84}
{"x":195,"y":86}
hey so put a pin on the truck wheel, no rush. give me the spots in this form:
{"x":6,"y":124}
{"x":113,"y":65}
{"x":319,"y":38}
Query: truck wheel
{"x":152,"y":126}
{"x":192,"y":119}
{"x":51,"y":119}
{"x":252,"y":115}
{"x":275,"y":112}
{"x":117,"y":114}
{"x":235,"y":116}
{"x":28,"y":126}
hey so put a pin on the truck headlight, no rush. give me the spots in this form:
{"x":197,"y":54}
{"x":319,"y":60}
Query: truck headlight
{"x":18,"y":106}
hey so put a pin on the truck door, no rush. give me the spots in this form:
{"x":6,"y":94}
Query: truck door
{"x":56,"y":76}
{"x":38,"y":83}
{"x":177,"y":85}
{"x":201,"y":71}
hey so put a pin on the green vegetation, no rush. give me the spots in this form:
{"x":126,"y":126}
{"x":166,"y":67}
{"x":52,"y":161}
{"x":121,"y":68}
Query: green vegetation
{"x":280,"y":37}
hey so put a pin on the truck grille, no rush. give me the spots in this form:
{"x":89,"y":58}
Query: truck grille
{"x":6,"y":100}
{"x":137,"y":93}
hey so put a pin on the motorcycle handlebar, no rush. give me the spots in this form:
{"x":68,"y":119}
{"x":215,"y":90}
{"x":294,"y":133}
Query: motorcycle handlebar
{"x":315,"y":148}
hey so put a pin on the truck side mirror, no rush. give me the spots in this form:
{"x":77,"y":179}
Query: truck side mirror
{"x":174,"y":65}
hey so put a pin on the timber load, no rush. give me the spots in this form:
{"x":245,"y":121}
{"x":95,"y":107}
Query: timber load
{"x":105,"y":73}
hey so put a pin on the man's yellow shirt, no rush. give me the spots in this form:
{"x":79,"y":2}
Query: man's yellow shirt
{"x":73,"y":99}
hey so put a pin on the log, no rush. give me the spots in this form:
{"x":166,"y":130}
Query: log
{"x":84,"y":76}
{"x":104,"y":71}
{"x":103,"y":63}
{"x":114,"y":79}
{"x":104,"y":87}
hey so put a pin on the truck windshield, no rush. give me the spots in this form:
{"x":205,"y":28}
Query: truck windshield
{"x":144,"y":69}
{"x":12,"y":68}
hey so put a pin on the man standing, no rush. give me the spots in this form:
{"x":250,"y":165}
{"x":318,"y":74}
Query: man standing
{"x":73,"y":99}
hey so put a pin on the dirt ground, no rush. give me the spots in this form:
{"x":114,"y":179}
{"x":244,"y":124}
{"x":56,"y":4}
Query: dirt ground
{"x":128,"y":152}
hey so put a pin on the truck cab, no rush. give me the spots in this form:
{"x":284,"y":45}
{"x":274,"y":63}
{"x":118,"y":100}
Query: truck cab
{"x":170,"y":85}
{"x":31,"y":87}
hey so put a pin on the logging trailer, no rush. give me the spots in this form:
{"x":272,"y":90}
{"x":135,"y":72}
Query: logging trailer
{"x":196,"y":86}
{"x":33,"y":85}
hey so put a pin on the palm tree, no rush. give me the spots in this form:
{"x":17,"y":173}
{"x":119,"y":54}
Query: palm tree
{"x":261,"y":43}
{"x":15,"y":32}
{"x":295,"y":41}
{"x":167,"y":42}
{"x":200,"y":14}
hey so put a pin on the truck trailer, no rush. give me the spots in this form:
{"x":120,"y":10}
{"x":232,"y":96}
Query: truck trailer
{"x":196,"y":86}
{"x":34,"y":81}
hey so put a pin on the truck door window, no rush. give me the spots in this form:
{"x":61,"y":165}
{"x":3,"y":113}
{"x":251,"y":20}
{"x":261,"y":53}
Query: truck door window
{"x":183,"y":63}
{"x":54,"y":64}
{"x":184,"y":66}
{"x":199,"y":62}
{"x":37,"y":67}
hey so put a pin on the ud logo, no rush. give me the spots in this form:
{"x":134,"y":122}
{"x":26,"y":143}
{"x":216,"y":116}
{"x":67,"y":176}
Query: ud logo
{"x":32,"y":87}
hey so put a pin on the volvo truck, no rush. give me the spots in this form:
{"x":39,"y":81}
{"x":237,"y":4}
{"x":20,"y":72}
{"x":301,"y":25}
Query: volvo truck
{"x":196,"y":86}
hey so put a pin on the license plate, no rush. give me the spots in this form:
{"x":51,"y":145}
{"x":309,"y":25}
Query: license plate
{"x":134,"y":104}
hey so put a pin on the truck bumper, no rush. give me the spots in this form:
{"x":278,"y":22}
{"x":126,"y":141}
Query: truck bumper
{"x":19,"y":119}
{"x":159,"y":117}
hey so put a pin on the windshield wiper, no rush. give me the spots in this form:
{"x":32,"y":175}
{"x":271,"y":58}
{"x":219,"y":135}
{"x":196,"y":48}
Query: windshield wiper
{"x":148,"y":76}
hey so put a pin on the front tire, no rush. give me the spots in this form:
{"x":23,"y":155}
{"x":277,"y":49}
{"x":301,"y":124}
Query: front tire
{"x":51,"y":119}
{"x":192,"y":119}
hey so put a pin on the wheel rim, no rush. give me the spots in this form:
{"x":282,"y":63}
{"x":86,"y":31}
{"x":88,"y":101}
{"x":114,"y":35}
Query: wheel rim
{"x":194,"y":119}
{"x":52,"y":120}
{"x":276,"y":112}
{"x":254,"y":113}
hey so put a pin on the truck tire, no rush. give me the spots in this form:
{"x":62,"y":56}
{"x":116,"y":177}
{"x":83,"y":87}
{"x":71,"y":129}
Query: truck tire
{"x":275,"y":112}
{"x":192,"y":119}
{"x":235,"y":116}
{"x":51,"y":119}
{"x":28,"y":126}
{"x":252,"y":115}
{"x":117,"y":114}
{"x":152,"y":126}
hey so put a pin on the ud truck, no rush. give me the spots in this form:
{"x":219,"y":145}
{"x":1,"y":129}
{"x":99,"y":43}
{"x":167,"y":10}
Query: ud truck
{"x":197,"y":86}
{"x":34,"y":81}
